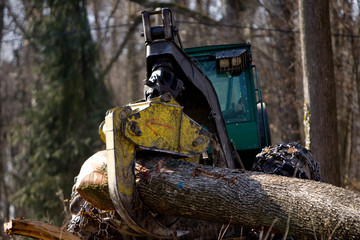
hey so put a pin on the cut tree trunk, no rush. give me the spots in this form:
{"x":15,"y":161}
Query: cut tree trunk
{"x":296,"y":207}
{"x":37,"y":229}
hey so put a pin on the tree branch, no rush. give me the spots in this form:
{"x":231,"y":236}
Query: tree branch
{"x":176,"y":7}
{"x":116,"y":55}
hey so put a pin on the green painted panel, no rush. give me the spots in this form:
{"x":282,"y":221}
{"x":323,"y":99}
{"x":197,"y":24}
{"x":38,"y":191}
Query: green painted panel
{"x":245,"y":135}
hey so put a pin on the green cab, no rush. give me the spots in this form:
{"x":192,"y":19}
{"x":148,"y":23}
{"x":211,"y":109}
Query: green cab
{"x":234,"y":77}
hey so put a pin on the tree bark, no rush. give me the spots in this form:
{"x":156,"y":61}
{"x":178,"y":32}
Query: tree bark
{"x":319,"y":86}
{"x":303,"y":208}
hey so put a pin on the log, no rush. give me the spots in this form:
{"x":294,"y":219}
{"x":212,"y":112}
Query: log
{"x":37,"y":229}
{"x":300,"y":207}
{"x":294,"y":207}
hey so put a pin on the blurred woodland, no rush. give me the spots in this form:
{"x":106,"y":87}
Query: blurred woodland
{"x":64,"y":63}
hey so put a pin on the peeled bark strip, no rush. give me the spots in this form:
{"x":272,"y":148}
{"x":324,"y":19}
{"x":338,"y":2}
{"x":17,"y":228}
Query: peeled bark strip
{"x":250,"y":199}
{"x":37,"y":229}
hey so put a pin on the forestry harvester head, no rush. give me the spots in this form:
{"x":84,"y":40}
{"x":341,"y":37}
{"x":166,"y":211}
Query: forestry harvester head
{"x":201,"y":105}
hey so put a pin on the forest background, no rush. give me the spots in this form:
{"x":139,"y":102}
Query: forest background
{"x":64,"y":63}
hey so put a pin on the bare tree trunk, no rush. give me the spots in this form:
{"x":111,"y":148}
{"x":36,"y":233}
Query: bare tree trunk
{"x":319,"y":83}
{"x":2,"y":8}
{"x":4,"y":141}
{"x":97,"y":11}
{"x":283,"y":108}
{"x":354,"y":172}
{"x":238,"y":13}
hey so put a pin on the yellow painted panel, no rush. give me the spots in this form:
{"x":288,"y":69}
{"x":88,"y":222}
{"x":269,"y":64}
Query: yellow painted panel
{"x":193,"y":137}
{"x":159,"y":125}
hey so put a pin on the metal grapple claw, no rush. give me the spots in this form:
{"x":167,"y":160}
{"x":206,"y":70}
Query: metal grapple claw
{"x":155,"y":125}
